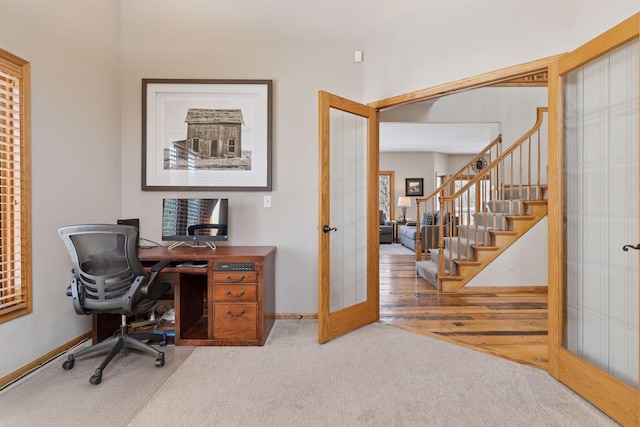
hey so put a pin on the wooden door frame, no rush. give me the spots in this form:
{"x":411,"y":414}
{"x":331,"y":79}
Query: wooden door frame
{"x":493,"y":78}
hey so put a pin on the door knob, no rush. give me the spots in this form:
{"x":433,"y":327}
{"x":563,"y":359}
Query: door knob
{"x":627,"y":247}
{"x":326,"y":228}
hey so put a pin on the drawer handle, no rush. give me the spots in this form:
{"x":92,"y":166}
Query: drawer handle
{"x":230,"y":279}
{"x":234,"y":295}
{"x":235,"y":315}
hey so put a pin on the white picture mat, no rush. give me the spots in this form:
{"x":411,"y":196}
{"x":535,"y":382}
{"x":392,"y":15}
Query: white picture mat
{"x":167,"y":106}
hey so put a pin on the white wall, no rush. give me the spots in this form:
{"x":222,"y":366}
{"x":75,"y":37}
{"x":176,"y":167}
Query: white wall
{"x":513,"y":108}
{"x":247,"y":40}
{"x":409,"y":165}
{"x":447,"y":40}
{"x":74,"y":51}
{"x":523,"y":264}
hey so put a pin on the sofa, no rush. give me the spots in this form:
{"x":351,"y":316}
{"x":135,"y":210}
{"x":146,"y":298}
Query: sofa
{"x":386,"y":229}
{"x":429,"y":230}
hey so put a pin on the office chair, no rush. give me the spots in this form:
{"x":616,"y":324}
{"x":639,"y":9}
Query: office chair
{"x":109,"y":278}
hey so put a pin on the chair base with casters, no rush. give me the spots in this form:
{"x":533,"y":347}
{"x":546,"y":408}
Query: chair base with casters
{"x":120,"y":344}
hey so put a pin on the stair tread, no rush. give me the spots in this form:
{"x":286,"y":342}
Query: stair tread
{"x":487,"y":248}
{"x":504,"y":232}
{"x":521,"y":217}
{"x":452,"y":278}
{"x":462,"y":262}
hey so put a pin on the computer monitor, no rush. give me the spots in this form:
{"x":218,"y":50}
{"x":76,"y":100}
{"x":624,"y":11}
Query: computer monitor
{"x":195,"y":220}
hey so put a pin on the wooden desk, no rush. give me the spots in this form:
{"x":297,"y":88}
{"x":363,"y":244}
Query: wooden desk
{"x":230,"y":301}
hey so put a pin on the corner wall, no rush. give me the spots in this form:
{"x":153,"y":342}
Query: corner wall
{"x":73,"y":48}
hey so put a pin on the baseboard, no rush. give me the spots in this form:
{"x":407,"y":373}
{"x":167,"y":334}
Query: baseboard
{"x":502,"y":289}
{"x":8,"y":379}
{"x":298,"y":316}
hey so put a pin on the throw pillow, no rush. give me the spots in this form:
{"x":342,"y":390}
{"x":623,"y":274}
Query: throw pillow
{"x":427,"y":218}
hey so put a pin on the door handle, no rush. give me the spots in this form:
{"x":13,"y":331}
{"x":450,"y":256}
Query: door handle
{"x":627,"y":247}
{"x":326,"y":228}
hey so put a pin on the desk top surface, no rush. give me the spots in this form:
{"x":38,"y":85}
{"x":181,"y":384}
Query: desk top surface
{"x":190,"y":253}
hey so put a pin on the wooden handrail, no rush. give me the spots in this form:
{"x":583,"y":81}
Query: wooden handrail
{"x":496,"y":162}
{"x":448,"y":182}
{"x":453,"y":177}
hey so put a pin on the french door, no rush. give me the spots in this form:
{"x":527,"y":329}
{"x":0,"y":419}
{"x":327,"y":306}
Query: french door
{"x":594,"y":215}
{"x":348,"y":216}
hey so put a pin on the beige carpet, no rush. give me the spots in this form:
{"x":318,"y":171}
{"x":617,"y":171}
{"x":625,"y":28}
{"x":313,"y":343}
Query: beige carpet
{"x":52,"y":396}
{"x":376,"y":376}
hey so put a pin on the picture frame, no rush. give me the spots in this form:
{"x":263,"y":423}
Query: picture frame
{"x":414,"y":187}
{"x":206,"y":135}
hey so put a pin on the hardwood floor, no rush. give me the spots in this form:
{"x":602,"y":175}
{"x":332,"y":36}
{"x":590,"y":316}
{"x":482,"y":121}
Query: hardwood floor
{"x":495,"y":321}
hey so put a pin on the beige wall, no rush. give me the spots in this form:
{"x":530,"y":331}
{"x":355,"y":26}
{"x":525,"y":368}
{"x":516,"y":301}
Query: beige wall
{"x":74,"y":50}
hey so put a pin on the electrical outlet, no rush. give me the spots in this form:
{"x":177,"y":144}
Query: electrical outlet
{"x":267,"y":201}
{"x":511,"y":266}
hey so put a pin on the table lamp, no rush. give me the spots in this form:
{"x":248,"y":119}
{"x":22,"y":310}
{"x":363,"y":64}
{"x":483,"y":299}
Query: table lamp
{"x":404,"y":203}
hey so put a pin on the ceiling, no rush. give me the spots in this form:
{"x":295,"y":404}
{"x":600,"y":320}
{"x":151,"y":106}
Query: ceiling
{"x":447,"y":138}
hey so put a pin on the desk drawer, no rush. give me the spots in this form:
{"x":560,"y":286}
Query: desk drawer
{"x":235,"y":277}
{"x":235,"y":293}
{"x":235,"y":321}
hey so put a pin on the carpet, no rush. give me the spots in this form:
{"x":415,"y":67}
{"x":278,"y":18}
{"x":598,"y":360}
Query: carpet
{"x":377,"y":375}
{"x":52,"y":396}
{"x":395,"y":249}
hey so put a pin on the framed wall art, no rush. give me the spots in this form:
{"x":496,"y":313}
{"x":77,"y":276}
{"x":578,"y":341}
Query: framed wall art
{"x":414,"y":187}
{"x":206,"y":135}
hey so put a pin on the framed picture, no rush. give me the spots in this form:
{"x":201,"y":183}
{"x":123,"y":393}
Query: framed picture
{"x":206,"y":135}
{"x":414,"y":187}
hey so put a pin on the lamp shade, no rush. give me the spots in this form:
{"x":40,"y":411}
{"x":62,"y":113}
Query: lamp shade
{"x":404,"y":202}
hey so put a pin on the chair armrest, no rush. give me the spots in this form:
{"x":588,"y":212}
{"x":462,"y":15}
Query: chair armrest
{"x":160,"y":265}
{"x":155,"y":269}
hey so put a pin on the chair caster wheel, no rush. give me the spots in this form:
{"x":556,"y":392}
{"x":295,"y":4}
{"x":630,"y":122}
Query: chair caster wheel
{"x":163,"y":342}
{"x":160,"y":360}
{"x":68,"y":364}
{"x":95,"y":379}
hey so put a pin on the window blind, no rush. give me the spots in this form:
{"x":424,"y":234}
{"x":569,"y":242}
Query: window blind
{"x":14,"y":204}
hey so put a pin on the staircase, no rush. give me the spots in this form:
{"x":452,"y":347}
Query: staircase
{"x":495,"y":200}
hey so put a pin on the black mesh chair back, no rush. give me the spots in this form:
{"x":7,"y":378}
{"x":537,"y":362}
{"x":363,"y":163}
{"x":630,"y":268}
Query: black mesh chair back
{"x":108,"y":274}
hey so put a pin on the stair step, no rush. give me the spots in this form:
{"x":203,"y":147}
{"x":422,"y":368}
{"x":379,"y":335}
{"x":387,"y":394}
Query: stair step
{"x":449,"y":259}
{"x":479,"y":234}
{"x":459,"y":245}
{"x":525,"y":192}
{"x":512,"y":207}
{"x":428,"y":270}
{"x":496,"y":221}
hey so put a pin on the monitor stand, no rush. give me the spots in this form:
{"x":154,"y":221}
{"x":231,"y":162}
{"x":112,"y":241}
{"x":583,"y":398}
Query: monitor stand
{"x":208,"y":243}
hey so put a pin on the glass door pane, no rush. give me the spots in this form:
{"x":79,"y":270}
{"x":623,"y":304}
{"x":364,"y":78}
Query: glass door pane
{"x":348,"y":183}
{"x":601,"y":212}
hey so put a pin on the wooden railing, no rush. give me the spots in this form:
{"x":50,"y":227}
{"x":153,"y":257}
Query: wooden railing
{"x":487,"y":185}
{"x":431,"y":203}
